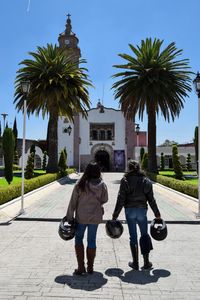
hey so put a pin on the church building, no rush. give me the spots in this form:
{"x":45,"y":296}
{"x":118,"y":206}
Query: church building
{"x":106,"y":136}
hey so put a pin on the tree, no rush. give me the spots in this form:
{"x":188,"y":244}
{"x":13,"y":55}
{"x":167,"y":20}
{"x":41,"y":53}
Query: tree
{"x":152,"y":81}
{"x":29,"y":173}
{"x":44,"y":162}
{"x":162,"y":161}
{"x":62,"y":163}
{"x":142,"y":151}
{"x":32,"y":150}
{"x":176,"y":163}
{"x":15,"y":132}
{"x":58,"y":88}
{"x":168,"y":143}
{"x":8,"y":152}
{"x":144,"y":163}
{"x":16,"y":158}
{"x":188,"y":162}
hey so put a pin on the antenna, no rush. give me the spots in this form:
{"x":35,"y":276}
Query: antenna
{"x":103,"y":93}
{"x":28,"y":7}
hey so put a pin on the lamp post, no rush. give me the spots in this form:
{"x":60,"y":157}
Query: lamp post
{"x":25,"y":86}
{"x":69,"y":130}
{"x":197,"y":89}
{"x":137,"y":129}
{"x":4,"y":115}
{"x":79,"y":156}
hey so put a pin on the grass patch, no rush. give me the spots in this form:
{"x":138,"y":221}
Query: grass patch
{"x":4,"y":183}
{"x":190,"y":176}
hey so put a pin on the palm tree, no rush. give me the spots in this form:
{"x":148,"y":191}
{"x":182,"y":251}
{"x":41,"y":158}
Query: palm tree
{"x":58,"y":88}
{"x":151,"y":81}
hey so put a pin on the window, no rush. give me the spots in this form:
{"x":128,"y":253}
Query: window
{"x":102,"y":131}
{"x":94,"y":135}
{"x":102,"y":135}
{"x":109,"y":135}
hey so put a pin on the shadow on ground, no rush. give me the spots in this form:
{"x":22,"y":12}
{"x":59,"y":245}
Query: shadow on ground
{"x":67,"y":180}
{"x":138,"y":277}
{"x":83,"y":282}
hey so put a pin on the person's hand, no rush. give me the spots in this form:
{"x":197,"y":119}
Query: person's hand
{"x":158,"y":217}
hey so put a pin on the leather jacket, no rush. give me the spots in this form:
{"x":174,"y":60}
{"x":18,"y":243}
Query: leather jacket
{"x":135,"y":191}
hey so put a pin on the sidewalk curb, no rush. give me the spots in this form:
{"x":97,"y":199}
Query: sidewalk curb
{"x":177,"y":192}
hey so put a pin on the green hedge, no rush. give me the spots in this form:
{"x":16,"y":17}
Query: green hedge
{"x":175,"y":184}
{"x":13,"y":191}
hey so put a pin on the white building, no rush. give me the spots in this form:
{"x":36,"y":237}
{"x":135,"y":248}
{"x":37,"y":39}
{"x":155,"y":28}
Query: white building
{"x":106,"y":137}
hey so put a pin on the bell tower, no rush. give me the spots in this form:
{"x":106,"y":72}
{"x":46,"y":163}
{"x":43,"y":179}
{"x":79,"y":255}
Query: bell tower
{"x":69,"y":42}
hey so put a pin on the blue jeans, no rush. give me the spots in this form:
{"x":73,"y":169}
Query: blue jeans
{"x":91,"y":234}
{"x":136,"y":216}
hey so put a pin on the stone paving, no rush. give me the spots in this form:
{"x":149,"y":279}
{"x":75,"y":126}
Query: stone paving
{"x":36,"y":264}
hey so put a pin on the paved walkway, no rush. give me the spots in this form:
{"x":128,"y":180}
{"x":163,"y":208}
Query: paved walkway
{"x":36,"y":264}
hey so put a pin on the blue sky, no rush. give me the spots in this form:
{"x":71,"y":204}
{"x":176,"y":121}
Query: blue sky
{"x":104,"y":28}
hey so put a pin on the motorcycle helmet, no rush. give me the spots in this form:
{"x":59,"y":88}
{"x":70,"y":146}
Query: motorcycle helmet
{"x":158,"y":229}
{"x":114,"y":229}
{"x":66,"y":231}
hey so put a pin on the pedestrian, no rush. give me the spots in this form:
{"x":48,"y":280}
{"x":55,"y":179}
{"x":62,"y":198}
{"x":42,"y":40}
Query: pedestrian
{"x":87,"y":199}
{"x":135,"y":193}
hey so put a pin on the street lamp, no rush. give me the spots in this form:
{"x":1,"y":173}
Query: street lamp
{"x":69,"y":129}
{"x":197,"y":89}
{"x":137,"y":129}
{"x":4,"y":115}
{"x":25,"y":87}
{"x":79,"y":156}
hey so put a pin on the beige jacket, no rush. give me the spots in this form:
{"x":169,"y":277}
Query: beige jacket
{"x":87,"y":205}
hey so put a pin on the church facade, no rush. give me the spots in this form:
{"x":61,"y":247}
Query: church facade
{"x":106,"y":136}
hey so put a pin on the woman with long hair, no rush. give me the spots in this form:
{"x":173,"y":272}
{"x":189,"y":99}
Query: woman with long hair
{"x":135,"y":193}
{"x":87,"y":199}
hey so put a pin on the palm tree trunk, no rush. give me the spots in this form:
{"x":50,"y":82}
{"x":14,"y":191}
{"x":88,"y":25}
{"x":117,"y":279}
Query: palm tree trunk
{"x":152,"y":161}
{"x":52,"y":166}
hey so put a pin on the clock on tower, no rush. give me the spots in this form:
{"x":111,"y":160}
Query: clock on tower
{"x":69,"y":42}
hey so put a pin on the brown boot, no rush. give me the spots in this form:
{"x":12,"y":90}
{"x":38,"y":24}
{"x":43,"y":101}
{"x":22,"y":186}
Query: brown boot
{"x":91,"y":253}
{"x":79,"y":249}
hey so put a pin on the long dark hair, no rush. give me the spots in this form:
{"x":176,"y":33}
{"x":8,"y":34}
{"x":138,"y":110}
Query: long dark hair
{"x":134,"y":168}
{"x":92,"y":171}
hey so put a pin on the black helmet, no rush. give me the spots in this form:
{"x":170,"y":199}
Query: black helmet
{"x":158,"y":229}
{"x":66,"y":232}
{"x":114,"y":229}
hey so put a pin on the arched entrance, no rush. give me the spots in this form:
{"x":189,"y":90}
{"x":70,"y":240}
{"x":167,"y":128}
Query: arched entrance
{"x":103,"y":159}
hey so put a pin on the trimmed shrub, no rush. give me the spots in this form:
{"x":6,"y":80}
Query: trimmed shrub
{"x":29,"y":173}
{"x":16,"y":158}
{"x":142,"y":151}
{"x":62,"y":163}
{"x":13,"y":191}
{"x":181,"y":186}
{"x":188,"y":162}
{"x":8,"y":152}
{"x":144,"y":163}
{"x":162,"y":162}
{"x":44,"y":162}
{"x":176,"y":163}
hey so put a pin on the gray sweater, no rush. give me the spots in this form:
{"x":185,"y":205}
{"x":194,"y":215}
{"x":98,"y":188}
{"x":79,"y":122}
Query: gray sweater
{"x":87,"y":205}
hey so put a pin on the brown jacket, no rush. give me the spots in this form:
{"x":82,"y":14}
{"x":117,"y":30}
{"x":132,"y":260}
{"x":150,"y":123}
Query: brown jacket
{"x":87,"y":205}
